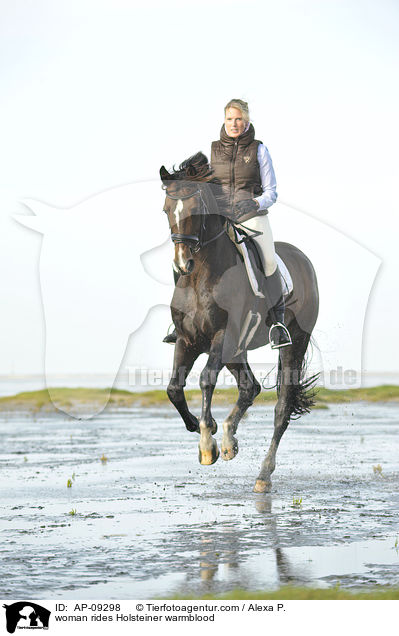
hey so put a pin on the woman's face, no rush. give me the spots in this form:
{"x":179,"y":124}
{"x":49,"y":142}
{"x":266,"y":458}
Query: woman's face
{"x":234,"y":122}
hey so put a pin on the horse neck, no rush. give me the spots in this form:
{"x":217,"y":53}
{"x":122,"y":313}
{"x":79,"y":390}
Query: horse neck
{"x":213,"y":226}
{"x":213,"y":220}
{"x":218,"y":255}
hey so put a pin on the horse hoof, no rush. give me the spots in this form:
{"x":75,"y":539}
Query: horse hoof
{"x":193,"y":425}
{"x":208,"y":457}
{"x":262,"y":486}
{"x":229,"y":451}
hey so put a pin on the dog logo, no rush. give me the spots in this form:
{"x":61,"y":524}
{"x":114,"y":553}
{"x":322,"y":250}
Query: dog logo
{"x":26,"y":615}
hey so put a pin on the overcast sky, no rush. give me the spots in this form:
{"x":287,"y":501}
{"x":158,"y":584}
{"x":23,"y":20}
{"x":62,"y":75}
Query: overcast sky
{"x":98,"y":94}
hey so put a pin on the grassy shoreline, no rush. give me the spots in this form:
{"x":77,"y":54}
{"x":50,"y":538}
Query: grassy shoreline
{"x":65,"y":397}
{"x":305,"y":594}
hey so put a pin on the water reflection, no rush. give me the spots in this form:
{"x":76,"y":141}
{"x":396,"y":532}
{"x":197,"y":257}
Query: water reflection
{"x":229,"y":556}
{"x":257,"y":553}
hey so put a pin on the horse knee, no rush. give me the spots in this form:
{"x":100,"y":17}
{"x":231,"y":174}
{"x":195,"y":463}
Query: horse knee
{"x":208,"y":378}
{"x":174,"y":392}
{"x":246,"y":397}
{"x":248,"y":394}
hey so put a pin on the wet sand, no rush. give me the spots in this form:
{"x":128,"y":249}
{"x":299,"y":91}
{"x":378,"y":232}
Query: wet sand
{"x":151,"y":522}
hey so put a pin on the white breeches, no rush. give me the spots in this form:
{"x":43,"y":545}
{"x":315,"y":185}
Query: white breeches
{"x":264,"y":242}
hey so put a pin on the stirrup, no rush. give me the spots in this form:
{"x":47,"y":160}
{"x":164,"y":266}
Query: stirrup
{"x":285,"y":333}
{"x":171,"y":336}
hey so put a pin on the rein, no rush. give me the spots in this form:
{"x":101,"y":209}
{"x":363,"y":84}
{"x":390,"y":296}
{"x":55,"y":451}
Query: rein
{"x":194,"y":242}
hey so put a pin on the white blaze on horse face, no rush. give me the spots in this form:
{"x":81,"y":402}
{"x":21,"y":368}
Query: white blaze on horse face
{"x":178,"y":209}
{"x":180,"y":260}
{"x":179,"y":252}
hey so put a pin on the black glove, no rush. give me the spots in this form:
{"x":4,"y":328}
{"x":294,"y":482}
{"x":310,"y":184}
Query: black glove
{"x":247,"y":206}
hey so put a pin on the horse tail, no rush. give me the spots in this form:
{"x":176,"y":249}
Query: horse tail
{"x":303,"y":391}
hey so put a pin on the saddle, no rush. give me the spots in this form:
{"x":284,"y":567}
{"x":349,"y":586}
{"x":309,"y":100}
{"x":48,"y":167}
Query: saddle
{"x":252,"y":334}
{"x":253,"y":262}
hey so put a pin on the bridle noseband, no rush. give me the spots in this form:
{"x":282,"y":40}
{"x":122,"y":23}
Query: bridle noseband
{"x":193,"y":241}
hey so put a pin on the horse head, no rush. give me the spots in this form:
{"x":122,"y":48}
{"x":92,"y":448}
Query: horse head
{"x":188,"y":202}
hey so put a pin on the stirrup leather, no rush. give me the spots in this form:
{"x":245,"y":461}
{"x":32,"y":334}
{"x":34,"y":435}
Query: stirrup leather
{"x":284,"y":344}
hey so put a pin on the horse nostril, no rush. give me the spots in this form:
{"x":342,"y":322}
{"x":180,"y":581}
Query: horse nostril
{"x":190,"y":265}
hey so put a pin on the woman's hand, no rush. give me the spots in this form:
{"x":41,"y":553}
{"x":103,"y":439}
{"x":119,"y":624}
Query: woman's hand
{"x":247,"y":209}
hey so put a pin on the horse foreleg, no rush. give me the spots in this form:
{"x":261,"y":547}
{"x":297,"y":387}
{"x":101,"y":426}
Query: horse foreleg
{"x":184,"y":359}
{"x":208,"y":451}
{"x":248,"y":389}
{"x":291,"y":359}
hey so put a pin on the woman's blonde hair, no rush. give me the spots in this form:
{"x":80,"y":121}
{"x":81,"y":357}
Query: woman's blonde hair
{"x":242,"y":107}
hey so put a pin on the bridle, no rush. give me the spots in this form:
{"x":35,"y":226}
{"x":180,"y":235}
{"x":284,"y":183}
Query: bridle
{"x":194,"y":242}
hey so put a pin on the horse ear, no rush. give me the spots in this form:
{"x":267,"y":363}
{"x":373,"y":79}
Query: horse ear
{"x":165,"y":176}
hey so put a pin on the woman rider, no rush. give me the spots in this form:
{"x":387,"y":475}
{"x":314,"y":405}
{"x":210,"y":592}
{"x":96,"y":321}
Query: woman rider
{"x":242,"y":166}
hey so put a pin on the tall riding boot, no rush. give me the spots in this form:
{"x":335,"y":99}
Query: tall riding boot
{"x":171,"y":338}
{"x":279,"y":335}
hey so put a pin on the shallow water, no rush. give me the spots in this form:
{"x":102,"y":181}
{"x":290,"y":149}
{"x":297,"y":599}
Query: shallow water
{"x":151,"y":521}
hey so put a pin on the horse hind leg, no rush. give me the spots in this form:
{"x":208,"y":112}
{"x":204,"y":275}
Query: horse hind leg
{"x":248,"y":389}
{"x":294,"y":398}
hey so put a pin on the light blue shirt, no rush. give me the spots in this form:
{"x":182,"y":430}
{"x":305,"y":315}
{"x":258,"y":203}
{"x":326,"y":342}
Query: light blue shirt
{"x":268,"y":179}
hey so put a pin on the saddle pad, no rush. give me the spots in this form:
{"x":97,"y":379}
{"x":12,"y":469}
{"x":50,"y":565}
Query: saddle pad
{"x":256,"y":284}
{"x":286,"y":279}
{"x":253,"y":253}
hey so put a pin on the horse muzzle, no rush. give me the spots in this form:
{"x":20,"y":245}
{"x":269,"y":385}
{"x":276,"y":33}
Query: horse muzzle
{"x":184,"y":269}
{"x":184,"y":262}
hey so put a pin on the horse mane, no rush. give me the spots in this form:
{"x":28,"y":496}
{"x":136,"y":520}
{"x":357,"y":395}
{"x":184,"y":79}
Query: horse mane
{"x":195,"y":168}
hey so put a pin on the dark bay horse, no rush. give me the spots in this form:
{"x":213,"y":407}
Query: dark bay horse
{"x":213,"y":309}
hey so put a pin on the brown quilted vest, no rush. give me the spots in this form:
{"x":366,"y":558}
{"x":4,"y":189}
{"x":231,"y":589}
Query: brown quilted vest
{"x":235,"y":167}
